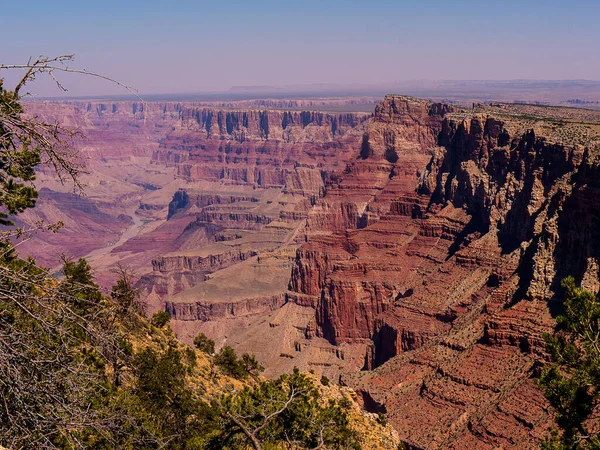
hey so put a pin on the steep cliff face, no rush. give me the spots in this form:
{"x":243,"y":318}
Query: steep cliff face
{"x":294,"y":150}
{"x":181,"y":201}
{"x":468,"y":220}
{"x":488,"y":189}
{"x":514,"y":180}
{"x":210,"y":311}
{"x":393,"y":148}
{"x":287,"y":126}
{"x":368,"y":202}
{"x":250,"y":177}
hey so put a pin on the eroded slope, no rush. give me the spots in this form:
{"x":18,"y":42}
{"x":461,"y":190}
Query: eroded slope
{"x":449,"y":291}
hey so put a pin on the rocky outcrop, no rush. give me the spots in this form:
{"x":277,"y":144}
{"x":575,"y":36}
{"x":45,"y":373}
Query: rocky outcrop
{"x":294,"y":150}
{"x":464,"y":222}
{"x":207,"y":311}
{"x":234,"y":219}
{"x":205,"y":264}
{"x":393,"y":149}
{"x":287,"y":126}
{"x":182,"y":201}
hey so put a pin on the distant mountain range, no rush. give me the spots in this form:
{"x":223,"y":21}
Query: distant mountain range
{"x":460,"y":91}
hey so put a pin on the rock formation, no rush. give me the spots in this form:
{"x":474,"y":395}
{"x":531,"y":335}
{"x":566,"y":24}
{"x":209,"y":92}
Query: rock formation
{"x":165,"y":179}
{"x":250,"y":178}
{"x":450,"y":279}
{"x":414,"y":254}
{"x":293,"y":150}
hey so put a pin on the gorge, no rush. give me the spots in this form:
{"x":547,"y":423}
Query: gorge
{"x":413,"y":254}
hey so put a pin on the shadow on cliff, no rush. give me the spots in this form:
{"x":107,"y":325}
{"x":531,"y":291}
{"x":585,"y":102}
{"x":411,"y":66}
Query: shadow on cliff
{"x":578,"y":249}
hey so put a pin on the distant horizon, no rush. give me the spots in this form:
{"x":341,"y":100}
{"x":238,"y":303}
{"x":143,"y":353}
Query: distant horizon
{"x":329,"y":86}
{"x":498,"y":89}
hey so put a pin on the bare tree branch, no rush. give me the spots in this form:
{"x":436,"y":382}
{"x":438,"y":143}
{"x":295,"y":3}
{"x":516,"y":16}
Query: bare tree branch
{"x":48,"y":65}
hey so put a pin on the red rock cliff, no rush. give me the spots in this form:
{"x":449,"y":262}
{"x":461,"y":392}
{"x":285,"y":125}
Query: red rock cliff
{"x":465,"y":222}
{"x":261,"y":148}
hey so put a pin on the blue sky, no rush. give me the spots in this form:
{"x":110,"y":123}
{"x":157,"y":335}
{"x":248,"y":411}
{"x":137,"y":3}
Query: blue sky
{"x":192,"y":46}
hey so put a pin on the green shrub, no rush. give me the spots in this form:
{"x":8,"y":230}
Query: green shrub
{"x":572,"y":383}
{"x":204,"y":344}
{"x":287,"y":409}
{"x":160,"y":319}
{"x":230,"y":365}
{"x":251,"y":365}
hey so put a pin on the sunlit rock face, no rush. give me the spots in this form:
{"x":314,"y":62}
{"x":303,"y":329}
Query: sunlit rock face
{"x":449,"y":236}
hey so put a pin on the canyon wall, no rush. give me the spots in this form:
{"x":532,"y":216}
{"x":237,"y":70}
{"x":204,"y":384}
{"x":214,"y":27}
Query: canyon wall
{"x":447,"y":273}
{"x":293,"y":150}
{"x":163,"y":180}
{"x":249,"y":179}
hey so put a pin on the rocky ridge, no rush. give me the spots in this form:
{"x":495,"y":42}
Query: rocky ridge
{"x":449,"y":282}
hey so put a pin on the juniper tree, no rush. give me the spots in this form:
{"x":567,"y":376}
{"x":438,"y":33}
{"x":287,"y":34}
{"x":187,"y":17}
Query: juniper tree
{"x":572,"y":382}
{"x":287,"y":410}
{"x":204,"y":344}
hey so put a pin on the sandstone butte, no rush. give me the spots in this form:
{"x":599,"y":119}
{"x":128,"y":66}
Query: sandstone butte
{"x":413,"y":254}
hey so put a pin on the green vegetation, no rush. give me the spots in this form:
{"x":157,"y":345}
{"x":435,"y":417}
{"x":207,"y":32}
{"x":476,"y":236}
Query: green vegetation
{"x":285,"y":410}
{"x":160,"y":319}
{"x":77,"y":372}
{"x":204,"y":344}
{"x":241,"y":368}
{"x":572,"y":383}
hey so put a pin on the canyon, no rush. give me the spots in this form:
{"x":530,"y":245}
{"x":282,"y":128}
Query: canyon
{"x":413,"y":254}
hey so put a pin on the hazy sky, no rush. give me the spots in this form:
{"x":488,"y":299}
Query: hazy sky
{"x":191,"y":46}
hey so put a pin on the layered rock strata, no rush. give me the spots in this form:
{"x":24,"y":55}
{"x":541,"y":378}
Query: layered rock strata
{"x":448,"y":239}
{"x":292,"y":150}
{"x":250,"y":177}
{"x":423,"y":245}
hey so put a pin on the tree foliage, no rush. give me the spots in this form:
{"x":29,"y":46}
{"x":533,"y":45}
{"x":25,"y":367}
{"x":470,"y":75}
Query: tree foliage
{"x":204,"y":344}
{"x":572,"y":383}
{"x":241,"y":368}
{"x":58,"y":341}
{"x":286,"y":410}
{"x":25,"y":143}
{"x":160,"y":319}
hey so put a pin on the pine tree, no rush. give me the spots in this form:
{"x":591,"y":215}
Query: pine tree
{"x":204,"y":344}
{"x":572,"y":383}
